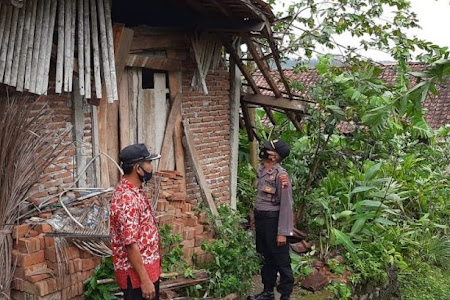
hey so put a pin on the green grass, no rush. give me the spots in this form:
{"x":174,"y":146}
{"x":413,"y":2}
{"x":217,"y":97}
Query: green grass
{"x":425,"y":283}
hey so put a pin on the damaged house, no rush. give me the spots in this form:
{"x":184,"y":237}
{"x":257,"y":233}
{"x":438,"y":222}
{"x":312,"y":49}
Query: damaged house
{"x":112,"y":73}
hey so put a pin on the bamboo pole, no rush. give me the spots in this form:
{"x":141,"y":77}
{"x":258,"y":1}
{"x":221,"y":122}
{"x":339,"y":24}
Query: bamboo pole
{"x":95,"y":48}
{"x":72,"y":42}
{"x":104,"y":51}
{"x":3,"y":10}
{"x":43,"y":49}
{"x":12,"y":41}
{"x":5,"y":42}
{"x":37,"y":46}
{"x":18,"y":48}
{"x":87,"y":49}
{"x":60,"y":52}
{"x":112,"y":64}
{"x":81,"y":46}
{"x":29,"y":60}
{"x":51,"y":28}
{"x":28,"y":6}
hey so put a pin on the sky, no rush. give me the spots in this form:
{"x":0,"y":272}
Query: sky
{"x":433,"y":16}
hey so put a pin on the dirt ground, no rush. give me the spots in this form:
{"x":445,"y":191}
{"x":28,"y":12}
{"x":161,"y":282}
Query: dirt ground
{"x":296,"y":295}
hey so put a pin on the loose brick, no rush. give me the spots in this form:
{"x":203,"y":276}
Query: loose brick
{"x":43,"y":228}
{"x":25,"y":259}
{"x":50,"y":254}
{"x":19,"y":231}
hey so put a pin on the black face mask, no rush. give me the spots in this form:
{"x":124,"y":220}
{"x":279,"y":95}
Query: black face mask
{"x":147,"y":175}
{"x":263,"y":153}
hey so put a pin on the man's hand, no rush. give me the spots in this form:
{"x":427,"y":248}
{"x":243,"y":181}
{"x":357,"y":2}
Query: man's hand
{"x":281,"y":240}
{"x":148,"y":289}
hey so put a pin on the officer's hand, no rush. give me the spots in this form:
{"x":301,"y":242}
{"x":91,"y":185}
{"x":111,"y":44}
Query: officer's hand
{"x":281,"y":240}
{"x":148,"y":289}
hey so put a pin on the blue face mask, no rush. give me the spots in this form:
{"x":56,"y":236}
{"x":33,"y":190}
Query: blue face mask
{"x":147,"y":175}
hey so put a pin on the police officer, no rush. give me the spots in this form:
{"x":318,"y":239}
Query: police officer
{"x":273,"y":217}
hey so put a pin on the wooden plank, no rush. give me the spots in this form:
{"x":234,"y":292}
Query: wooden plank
{"x":103,"y":135}
{"x":29,"y":62}
{"x":49,"y":46}
{"x":60,"y":52}
{"x":175,"y":87}
{"x":73,"y":18}
{"x":146,"y":125}
{"x":95,"y":49}
{"x":122,"y":42}
{"x":96,"y":144}
{"x":24,"y":48}
{"x":67,"y":43}
{"x":3,"y":11}
{"x":112,"y":138}
{"x":5,"y":42}
{"x":11,"y":46}
{"x":167,"y":144}
{"x":18,"y":48}
{"x":43,"y":49}
{"x":155,"y":63}
{"x":198,"y":168}
{"x":155,"y":42}
{"x":37,"y":46}
{"x":111,"y":48}
{"x":124,"y":112}
{"x":271,"y":101}
{"x":80,"y":39}
{"x":133,"y":90}
{"x":104,"y":52}
{"x":87,"y":50}
{"x":161,"y":112}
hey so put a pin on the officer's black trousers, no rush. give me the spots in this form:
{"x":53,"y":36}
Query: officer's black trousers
{"x":276,"y":258}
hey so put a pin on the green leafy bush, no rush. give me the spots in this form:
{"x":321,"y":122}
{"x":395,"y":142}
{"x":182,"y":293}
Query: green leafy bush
{"x":95,"y":291}
{"x":235,"y":259}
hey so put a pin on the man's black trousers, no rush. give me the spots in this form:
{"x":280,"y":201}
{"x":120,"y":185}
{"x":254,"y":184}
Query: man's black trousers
{"x":276,"y":258}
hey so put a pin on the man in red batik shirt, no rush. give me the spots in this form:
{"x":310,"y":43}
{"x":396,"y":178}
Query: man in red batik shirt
{"x":134,"y":233}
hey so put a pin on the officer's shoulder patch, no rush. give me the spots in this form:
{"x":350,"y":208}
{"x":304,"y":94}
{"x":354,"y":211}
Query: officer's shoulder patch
{"x":284,"y":179}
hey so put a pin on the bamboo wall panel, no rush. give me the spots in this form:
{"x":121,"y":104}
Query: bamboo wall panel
{"x":78,"y":32}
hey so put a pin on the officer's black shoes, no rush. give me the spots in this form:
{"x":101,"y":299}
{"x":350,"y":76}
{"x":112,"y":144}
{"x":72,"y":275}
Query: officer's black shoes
{"x":263,"y":296}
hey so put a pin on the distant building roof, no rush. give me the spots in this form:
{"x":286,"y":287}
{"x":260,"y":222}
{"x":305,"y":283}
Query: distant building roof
{"x":438,"y":107}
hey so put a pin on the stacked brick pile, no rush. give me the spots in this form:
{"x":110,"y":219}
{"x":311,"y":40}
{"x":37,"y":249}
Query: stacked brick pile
{"x":43,"y":275}
{"x":175,"y":209}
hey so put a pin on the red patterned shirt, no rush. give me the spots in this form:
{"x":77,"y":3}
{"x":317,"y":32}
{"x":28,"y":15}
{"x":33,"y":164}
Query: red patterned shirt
{"x":132,"y":221}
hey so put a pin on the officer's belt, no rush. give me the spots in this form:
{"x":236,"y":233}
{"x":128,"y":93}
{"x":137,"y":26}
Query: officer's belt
{"x":266,"y":214}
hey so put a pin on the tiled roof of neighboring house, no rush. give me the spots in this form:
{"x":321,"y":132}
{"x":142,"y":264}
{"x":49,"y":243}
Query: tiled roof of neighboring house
{"x":438,"y":107}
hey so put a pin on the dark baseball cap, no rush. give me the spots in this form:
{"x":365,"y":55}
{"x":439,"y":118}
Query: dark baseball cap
{"x":279,"y":146}
{"x":137,"y":152}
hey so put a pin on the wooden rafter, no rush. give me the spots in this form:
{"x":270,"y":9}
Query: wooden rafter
{"x":262,"y":67}
{"x":270,"y":101}
{"x":221,"y":7}
{"x":156,"y":63}
{"x":248,"y":126}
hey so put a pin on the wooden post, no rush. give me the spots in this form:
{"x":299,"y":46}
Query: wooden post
{"x":160,"y":117}
{"x":96,"y":145}
{"x":111,"y":49}
{"x":78,"y":128}
{"x":104,"y":51}
{"x":235,"y":96}
{"x":73,"y":16}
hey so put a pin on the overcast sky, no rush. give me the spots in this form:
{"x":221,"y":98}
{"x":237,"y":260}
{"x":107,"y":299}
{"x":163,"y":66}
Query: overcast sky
{"x":434,"y":18}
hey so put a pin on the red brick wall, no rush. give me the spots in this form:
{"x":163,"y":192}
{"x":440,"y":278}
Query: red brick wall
{"x":209,"y":118}
{"x":61,"y":173}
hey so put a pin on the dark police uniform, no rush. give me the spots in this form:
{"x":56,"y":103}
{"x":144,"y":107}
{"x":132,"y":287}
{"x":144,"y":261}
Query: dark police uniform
{"x":274,"y":216}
